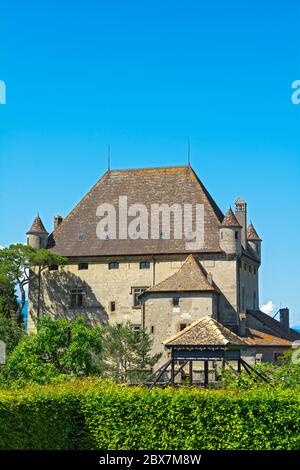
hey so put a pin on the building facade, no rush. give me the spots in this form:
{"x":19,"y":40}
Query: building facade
{"x":129,"y":268}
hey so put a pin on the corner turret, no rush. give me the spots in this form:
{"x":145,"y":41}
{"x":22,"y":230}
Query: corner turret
{"x":37,"y":234}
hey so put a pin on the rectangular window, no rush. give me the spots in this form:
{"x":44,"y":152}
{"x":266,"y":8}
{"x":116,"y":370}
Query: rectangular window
{"x":245,"y":266}
{"x":113,"y":265}
{"x":53,"y":267}
{"x":137,"y":291}
{"x":76,"y":297}
{"x":182,"y":326}
{"x":82,"y":266}
{"x":136,"y":327}
{"x":152,"y":329}
{"x":112,"y":306}
{"x":236,"y":234}
{"x":145,"y":265}
{"x":175,"y":301}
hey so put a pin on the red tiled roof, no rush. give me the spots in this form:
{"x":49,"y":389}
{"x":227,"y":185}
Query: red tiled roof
{"x":252,"y":233}
{"x":260,"y":338}
{"x":37,"y":226}
{"x":230,"y":220}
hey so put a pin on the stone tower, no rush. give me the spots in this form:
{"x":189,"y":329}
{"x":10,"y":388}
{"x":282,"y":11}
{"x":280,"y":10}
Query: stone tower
{"x":37,"y":234}
{"x":254,"y":240}
{"x":230,"y":234}
{"x":241,"y":215}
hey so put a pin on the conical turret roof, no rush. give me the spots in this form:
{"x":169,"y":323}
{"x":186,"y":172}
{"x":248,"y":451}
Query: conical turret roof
{"x":37,"y":226}
{"x":252,"y":233}
{"x":230,"y":219}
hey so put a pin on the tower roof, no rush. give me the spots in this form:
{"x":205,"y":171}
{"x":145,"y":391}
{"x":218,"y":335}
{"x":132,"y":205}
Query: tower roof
{"x":252,"y":233}
{"x":37,"y":226}
{"x":190,"y":277}
{"x":230,"y":219}
{"x":240,"y":201}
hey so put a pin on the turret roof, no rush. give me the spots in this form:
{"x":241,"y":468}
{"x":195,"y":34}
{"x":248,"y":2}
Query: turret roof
{"x":37,"y":226}
{"x":252,"y":233}
{"x":230,"y":219}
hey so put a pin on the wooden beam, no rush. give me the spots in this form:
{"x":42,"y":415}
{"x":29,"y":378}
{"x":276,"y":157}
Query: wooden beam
{"x":191,"y":372}
{"x":172,"y":371}
{"x":162,"y":370}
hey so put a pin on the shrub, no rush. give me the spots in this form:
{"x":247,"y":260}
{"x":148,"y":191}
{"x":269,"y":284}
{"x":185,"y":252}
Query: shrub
{"x":91,"y":414}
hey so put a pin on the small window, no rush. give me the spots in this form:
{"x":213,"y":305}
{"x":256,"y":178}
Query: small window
{"x":113,"y":306}
{"x":137,"y":291}
{"x":145,"y":265}
{"x":175,"y":301}
{"x":245,"y":266}
{"x":53,"y":267}
{"x":80,"y":236}
{"x":221,"y":235}
{"x":76,"y":297}
{"x":182,"y":326}
{"x":152,"y":329}
{"x":113,"y":265}
{"x":136,"y":328}
{"x":236,"y":234}
{"x":82,"y":266}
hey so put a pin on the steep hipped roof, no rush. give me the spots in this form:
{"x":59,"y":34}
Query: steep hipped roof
{"x":190,"y":277}
{"x":37,"y":226}
{"x":76,"y":235}
{"x":205,"y":332}
{"x":230,"y":219}
{"x":252,"y":233}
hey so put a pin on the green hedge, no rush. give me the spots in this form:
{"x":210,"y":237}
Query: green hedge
{"x":96,"y":415}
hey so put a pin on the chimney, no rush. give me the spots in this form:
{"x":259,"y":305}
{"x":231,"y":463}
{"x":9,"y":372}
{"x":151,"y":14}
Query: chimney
{"x":284,"y":318}
{"x":241,"y":215}
{"x":57,"y":220}
{"x":242,"y":324}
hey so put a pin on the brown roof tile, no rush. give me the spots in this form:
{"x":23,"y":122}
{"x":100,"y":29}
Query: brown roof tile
{"x":76,"y":235}
{"x":37,"y":226}
{"x":190,"y":277}
{"x":252,"y":233}
{"x":261,"y":338}
{"x":230,"y":220}
{"x":205,"y":332}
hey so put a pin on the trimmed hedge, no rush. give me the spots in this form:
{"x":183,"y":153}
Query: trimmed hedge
{"x":98,"y":415}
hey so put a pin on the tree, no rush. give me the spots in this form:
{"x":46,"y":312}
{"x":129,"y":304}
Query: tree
{"x":15,"y":262}
{"x":62,"y":348}
{"x":126,"y":353}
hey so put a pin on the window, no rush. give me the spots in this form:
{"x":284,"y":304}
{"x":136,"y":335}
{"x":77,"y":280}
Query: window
{"x":175,"y":301}
{"x":221,"y":235}
{"x":113,"y":265}
{"x":113,"y":306}
{"x":137,"y":291}
{"x":76,"y":297}
{"x":152,"y":329}
{"x":236,"y":234}
{"x":80,"y":236}
{"x":182,"y":326}
{"x":145,"y":265}
{"x":53,"y":267}
{"x":136,"y":328}
{"x":82,"y":266}
{"x":245,"y":266}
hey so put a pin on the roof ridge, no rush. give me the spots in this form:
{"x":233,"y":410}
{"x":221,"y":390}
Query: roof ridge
{"x":149,"y":168}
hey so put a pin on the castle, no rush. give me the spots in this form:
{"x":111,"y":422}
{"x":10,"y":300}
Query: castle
{"x":160,"y":282}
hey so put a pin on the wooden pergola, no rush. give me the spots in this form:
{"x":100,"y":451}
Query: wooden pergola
{"x":204,"y":341}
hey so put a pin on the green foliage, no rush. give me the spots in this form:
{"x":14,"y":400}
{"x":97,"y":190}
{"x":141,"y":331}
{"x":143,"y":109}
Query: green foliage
{"x":61,"y":348}
{"x":127,"y":353}
{"x":92,"y":414}
{"x":10,"y":332}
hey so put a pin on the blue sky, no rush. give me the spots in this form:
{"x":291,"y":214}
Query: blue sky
{"x":144,"y":76}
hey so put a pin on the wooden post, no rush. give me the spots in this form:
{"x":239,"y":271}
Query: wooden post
{"x":172,"y":372}
{"x":205,"y":373}
{"x":239,"y":366}
{"x":191,"y":372}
